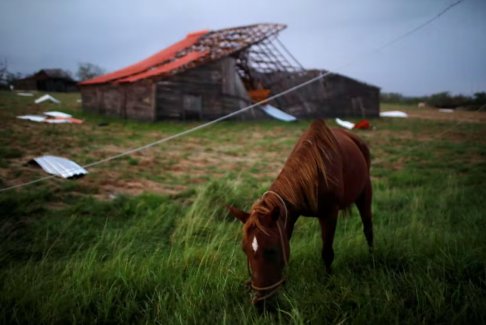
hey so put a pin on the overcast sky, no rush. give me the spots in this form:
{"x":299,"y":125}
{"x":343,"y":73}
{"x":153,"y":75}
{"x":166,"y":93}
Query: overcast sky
{"x":447,"y":55}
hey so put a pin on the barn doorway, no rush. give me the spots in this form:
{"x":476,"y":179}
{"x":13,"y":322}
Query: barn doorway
{"x":192,"y":107}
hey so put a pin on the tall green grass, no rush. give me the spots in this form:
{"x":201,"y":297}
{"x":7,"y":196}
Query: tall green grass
{"x":158,"y":260}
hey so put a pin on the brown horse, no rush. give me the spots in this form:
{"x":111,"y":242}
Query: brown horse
{"x":328,"y":170}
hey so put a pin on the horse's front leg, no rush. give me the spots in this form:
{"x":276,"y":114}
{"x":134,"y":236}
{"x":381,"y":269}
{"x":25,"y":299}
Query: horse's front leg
{"x":328,"y":228}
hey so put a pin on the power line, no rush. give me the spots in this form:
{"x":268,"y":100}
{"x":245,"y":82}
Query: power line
{"x":419,"y":27}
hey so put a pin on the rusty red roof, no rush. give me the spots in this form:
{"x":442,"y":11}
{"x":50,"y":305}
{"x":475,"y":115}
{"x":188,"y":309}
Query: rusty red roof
{"x":197,"y":48}
{"x":166,"y":68}
{"x":144,"y":67}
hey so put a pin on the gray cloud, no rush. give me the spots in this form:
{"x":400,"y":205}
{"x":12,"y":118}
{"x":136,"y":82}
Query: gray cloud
{"x":447,"y":55}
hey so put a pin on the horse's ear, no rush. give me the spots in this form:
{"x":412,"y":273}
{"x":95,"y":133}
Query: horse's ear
{"x":238,"y":214}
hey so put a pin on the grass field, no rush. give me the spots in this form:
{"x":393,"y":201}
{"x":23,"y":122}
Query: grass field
{"x":146,"y":238}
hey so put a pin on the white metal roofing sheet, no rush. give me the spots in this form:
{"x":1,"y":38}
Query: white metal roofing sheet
{"x":59,"y":166}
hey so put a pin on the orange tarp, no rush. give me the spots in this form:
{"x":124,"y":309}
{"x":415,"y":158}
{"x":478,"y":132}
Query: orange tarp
{"x":257,"y":95}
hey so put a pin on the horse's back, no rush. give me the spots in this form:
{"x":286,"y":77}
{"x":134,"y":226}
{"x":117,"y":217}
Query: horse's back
{"x":348,"y":143}
{"x":326,"y":167}
{"x":363,"y":147}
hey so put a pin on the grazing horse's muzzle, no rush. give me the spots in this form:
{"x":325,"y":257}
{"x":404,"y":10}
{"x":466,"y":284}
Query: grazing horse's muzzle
{"x":263,"y":293}
{"x":264,"y":282}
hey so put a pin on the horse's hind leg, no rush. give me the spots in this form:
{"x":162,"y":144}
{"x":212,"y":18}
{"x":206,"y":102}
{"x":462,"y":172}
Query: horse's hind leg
{"x":364,"y":206}
{"x":328,"y":228}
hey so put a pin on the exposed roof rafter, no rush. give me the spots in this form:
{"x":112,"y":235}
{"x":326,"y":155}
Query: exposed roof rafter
{"x":200,"y":48}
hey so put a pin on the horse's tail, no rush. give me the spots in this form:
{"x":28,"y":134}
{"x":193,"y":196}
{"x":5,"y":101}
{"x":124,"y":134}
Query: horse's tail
{"x":363,"y":147}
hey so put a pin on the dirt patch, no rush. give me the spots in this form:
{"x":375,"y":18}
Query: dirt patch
{"x":112,"y":189}
{"x":259,"y":150}
{"x":456,"y":115}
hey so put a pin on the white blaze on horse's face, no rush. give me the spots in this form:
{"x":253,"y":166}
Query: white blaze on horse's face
{"x":254,"y":244}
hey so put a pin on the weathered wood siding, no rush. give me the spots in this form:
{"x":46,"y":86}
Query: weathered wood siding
{"x":215,"y":89}
{"x":333,"y":96}
{"x":134,"y":101}
{"x":207,"y":92}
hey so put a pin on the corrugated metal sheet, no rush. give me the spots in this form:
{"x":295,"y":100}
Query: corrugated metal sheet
{"x":167,"y":68}
{"x":59,"y":166}
{"x":393,"y":114}
{"x":47,"y":97}
{"x":52,"y":117}
{"x":56,"y":114}
{"x":33,"y":118}
{"x":278,"y":114}
{"x":148,"y":63}
{"x":345,"y":124}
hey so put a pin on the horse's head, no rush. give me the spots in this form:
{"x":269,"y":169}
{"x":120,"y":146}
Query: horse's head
{"x":266,"y":246}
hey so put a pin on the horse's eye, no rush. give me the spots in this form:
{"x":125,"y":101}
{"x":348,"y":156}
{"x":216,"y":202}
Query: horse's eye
{"x":270,"y":253}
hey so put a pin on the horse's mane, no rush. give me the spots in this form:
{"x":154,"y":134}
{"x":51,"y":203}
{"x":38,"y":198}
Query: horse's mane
{"x":306,"y":167}
{"x":261,"y":208}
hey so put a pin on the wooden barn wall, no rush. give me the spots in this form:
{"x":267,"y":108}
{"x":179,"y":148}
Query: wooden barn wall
{"x":134,"y":101}
{"x":332,"y":96}
{"x":214,"y":90}
{"x":207,"y":92}
{"x":140,"y":101}
{"x":26,"y":84}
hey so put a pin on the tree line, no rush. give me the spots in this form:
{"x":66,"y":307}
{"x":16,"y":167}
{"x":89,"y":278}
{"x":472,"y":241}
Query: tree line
{"x":85,"y":71}
{"x":442,"y":99}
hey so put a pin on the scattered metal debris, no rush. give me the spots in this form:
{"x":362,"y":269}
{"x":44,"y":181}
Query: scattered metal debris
{"x":60,"y":117}
{"x":278,"y":114}
{"x":446,"y":110}
{"x":59,"y":166}
{"x":362,"y":124}
{"x":56,"y":114}
{"x":52,"y":117}
{"x":47,"y":97}
{"x":56,"y":120}
{"x":25,"y":94}
{"x":33,"y":118}
{"x":345,"y":124}
{"x":393,"y":114}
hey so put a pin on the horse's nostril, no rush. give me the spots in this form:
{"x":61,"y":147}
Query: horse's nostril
{"x":258,"y":303}
{"x":265,"y":306}
{"x":258,"y":297}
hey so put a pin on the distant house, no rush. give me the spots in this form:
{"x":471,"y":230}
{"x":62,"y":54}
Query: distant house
{"x":212,"y":73}
{"x":48,"y":80}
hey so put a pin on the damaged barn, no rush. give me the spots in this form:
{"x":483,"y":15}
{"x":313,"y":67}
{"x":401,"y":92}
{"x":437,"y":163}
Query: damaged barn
{"x":212,"y":73}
